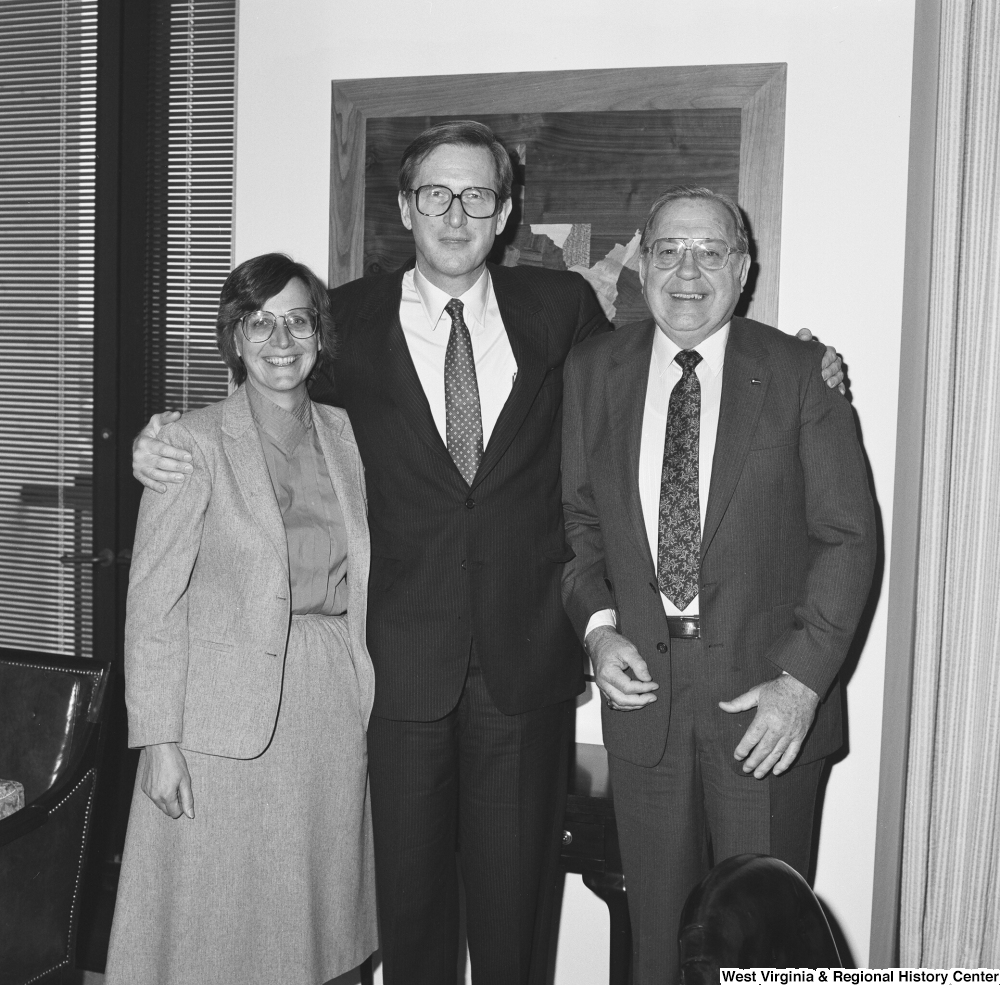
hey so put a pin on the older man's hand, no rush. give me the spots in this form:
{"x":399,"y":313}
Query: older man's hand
{"x":612,"y":654}
{"x":785,"y":711}
{"x":155,"y":462}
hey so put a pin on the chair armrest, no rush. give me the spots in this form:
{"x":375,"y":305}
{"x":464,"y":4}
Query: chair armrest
{"x":16,"y":825}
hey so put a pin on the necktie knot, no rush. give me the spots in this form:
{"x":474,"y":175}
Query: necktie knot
{"x":454,"y":308}
{"x":688,"y":359}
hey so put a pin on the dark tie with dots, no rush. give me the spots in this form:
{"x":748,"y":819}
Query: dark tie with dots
{"x":464,"y":419}
{"x":679,"y":542}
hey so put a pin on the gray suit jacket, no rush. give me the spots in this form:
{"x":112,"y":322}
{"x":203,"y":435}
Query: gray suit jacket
{"x":209,"y":595}
{"x":788,"y":548}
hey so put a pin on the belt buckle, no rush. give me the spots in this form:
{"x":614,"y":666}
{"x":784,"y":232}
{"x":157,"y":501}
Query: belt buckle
{"x":684,"y":627}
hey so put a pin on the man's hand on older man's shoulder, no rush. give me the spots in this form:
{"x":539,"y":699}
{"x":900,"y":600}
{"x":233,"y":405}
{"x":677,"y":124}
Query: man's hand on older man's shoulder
{"x":832,"y":365}
{"x":155,"y":462}
{"x":612,"y":655}
{"x":785,"y":711}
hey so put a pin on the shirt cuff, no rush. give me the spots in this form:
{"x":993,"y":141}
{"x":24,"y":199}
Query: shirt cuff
{"x":603,"y":617}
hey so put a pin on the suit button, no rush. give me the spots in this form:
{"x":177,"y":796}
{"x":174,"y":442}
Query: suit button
{"x":463,"y":566}
{"x":662,"y":647}
{"x":469,"y":503}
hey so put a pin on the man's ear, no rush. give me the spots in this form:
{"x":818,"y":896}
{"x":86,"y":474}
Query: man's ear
{"x":745,"y":270}
{"x":404,"y":210}
{"x":503,"y":214}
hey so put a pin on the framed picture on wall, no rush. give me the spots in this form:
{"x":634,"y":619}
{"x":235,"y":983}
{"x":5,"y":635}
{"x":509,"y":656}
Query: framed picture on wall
{"x":592,"y":150}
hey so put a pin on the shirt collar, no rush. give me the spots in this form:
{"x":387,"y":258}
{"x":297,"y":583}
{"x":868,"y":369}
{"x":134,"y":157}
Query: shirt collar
{"x":474,"y":300}
{"x":285,"y":428}
{"x":712,"y":350}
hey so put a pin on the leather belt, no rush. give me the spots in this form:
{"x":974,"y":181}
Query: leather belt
{"x":684,"y":627}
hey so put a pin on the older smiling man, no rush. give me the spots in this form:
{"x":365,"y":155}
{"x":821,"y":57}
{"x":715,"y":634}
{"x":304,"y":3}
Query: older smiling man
{"x":718,"y":508}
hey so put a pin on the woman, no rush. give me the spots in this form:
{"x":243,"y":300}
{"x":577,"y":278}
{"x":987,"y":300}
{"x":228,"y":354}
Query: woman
{"x":248,"y":682}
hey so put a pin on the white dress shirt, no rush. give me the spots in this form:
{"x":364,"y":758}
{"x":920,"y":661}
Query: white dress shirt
{"x":427,"y":327}
{"x":664,"y":373}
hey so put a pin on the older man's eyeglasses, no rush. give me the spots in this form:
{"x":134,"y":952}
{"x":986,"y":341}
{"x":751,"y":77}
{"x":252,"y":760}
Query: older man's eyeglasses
{"x":709,"y":254}
{"x":477,"y":203}
{"x":259,"y":326}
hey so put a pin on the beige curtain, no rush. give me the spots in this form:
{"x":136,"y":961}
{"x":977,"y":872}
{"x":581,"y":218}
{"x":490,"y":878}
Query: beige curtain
{"x":950,"y":907}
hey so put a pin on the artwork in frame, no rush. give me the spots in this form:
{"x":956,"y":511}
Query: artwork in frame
{"x":592,"y":150}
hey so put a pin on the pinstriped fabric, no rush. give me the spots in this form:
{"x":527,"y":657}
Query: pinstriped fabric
{"x":493,"y":783}
{"x":692,"y":810}
{"x":450,"y":563}
{"x":789,"y":502}
{"x":950,"y":914}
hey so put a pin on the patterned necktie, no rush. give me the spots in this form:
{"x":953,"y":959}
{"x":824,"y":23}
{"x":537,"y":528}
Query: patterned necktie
{"x":679,"y":542}
{"x":464,"y":419}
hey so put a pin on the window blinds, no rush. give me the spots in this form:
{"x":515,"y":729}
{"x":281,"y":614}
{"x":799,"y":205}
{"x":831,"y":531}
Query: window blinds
{"x":48,"y":106}
{"x":193,"y":124}
{"x":48,"y":68}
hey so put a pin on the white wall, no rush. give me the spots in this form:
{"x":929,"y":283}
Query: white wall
{"x":842,"y":238}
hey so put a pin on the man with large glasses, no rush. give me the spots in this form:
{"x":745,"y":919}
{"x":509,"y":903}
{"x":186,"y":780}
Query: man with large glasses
{"x":451,"y":371}
{"x":723,"y":540}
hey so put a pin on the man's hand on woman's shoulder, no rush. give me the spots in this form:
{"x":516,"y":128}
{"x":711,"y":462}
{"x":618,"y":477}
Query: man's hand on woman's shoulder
{"x":154,"y":462}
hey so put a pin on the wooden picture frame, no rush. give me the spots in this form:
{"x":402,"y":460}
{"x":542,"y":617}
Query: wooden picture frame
{"x":757,"y":91}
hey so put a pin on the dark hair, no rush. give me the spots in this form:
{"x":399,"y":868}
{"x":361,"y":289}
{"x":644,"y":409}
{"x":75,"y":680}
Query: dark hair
{"x":679,"y":192}
{"x":467,"y":133}
{"x":249,"y":286}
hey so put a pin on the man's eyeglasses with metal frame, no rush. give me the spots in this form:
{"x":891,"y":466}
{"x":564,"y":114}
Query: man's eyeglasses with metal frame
{"x":708,"y":254}
{"x":477,"y":203}
{"x":259,"y":326}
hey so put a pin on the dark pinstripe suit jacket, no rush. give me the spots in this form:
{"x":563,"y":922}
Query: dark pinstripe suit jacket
{"x":788,"y":548}
{"x":452,"y":563}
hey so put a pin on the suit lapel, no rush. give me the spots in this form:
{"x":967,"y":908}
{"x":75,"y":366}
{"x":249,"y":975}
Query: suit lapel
{"x":742,"y":401}
{"x":342,"y":464}
{"x":526,"y":331}
{"x":390,"y":356}
{"x":246,"y":458}
{"x":625,"y":392}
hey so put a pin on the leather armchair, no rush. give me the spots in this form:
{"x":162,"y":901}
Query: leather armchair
{"x":753,"y":911}
{"x":51,"y":709}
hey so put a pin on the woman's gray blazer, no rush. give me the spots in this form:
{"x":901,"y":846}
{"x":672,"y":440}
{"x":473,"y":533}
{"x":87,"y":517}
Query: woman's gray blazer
{"x":208,"y":603}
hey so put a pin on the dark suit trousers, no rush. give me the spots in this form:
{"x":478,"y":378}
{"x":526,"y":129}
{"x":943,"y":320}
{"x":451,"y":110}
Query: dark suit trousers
{"x":494,"y":786}
{"x":693,"y":809}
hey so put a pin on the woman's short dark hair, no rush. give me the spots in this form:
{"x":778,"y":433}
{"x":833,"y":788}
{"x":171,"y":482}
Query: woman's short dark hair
{"x":249,"y":286}
{"x":467,"y":133}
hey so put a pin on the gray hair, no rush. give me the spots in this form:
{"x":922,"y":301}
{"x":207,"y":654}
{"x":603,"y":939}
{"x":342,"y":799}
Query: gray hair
{"x":679,"y":192}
